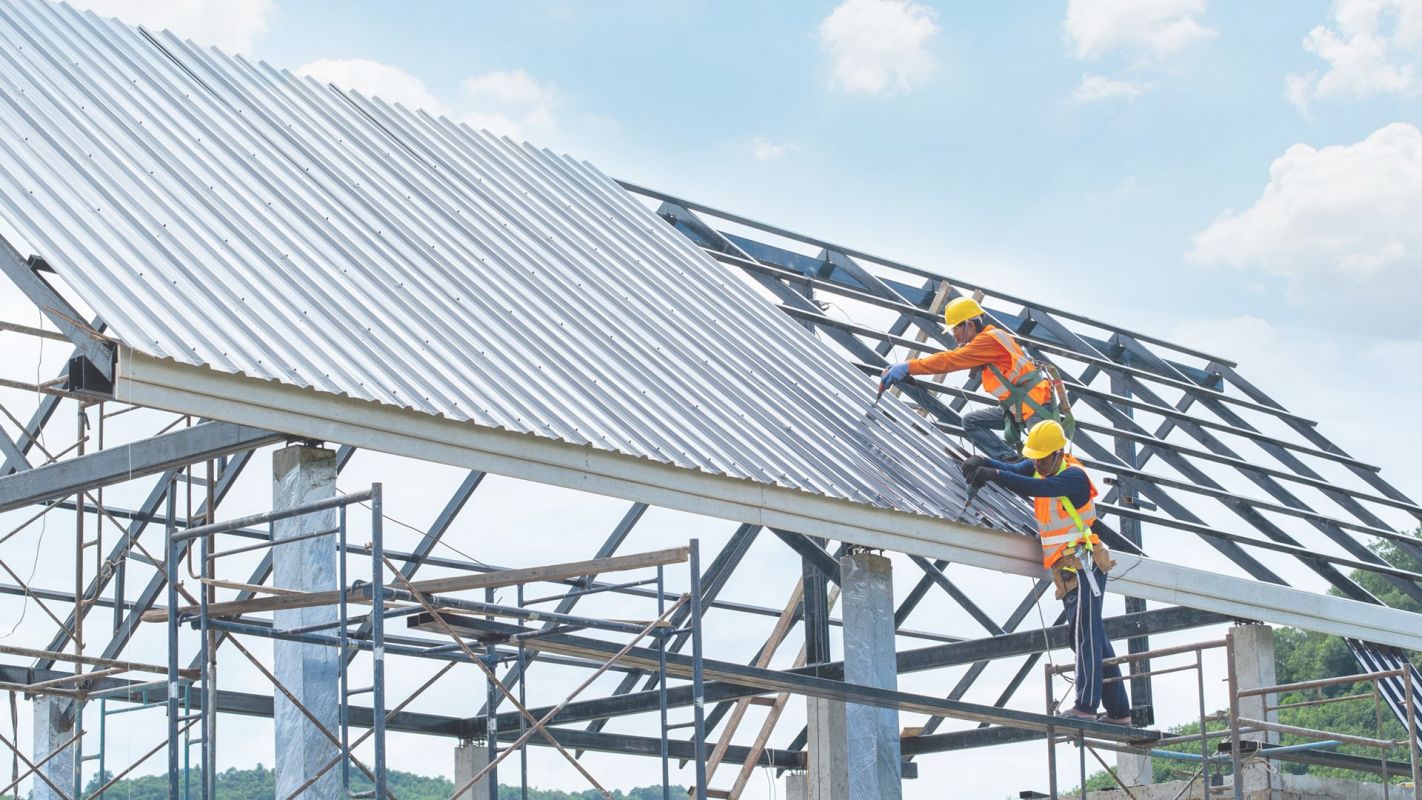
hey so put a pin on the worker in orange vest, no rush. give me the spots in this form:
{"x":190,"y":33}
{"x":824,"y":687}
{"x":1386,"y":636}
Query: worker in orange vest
{"x":1065,"y":511}
{"x":1022,"y":391}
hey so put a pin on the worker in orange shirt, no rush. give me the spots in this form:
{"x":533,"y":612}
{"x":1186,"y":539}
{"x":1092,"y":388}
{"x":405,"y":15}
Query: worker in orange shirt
{"x":1024,"y":394}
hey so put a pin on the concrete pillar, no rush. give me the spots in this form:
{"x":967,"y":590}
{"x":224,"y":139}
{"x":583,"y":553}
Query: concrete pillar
{"x":1134,"y":769}
{"x":53,"y":725}
{"x":469,"y":758}
{"x":867,"y":594}
{"x":827,"y":776}
{"x":796,"y":786}
{"x":301,"y":475}
{"x":1253,"y":668}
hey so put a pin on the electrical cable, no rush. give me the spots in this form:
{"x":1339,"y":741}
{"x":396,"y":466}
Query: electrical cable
{"x":425,"y":534}
{"x":44,"y":518}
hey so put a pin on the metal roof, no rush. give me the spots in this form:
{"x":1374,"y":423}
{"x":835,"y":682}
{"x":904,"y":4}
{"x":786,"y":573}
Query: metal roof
{"x":220,"y":212}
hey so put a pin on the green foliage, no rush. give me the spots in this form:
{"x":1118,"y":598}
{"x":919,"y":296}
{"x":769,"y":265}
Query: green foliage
{"x":259,"y":783}
{"x":1303,"y":656}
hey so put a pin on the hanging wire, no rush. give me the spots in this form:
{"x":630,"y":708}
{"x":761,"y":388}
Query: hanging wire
{"x":426,"y":535}
{"x":43,"y":517}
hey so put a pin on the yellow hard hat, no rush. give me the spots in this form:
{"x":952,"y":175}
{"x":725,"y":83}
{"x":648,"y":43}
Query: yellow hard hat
{"x":960,"y":309}
{"x":1045,"y":438}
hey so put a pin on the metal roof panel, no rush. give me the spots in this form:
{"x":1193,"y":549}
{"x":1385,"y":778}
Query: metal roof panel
{"x":224,"y":213}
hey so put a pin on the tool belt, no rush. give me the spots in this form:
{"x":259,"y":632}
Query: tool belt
{"x":1064,"y":571}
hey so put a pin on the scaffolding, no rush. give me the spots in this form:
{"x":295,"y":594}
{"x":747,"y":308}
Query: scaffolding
{"x":403,"y":598}
{"x":1194,"y":453}
{"x":1237,"y":740}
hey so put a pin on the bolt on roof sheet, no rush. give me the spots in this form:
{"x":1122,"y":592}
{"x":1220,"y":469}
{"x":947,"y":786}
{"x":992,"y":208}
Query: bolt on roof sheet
{"x":221,"y":212}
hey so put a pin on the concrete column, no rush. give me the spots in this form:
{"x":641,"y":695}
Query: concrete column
{"x":301,"y":475}
{"x":828,"y":767}
{"x":1253,"y":668}
{"x":796,"y":786}
{"x":469,"y":758}
{"x":1134,"y":769}
{"x":53,"y":725}
{"x":867,"y":593}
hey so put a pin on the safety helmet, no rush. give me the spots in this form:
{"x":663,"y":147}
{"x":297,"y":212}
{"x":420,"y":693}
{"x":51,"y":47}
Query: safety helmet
{"x":960,"y":309}
{"x":1045,"y":438}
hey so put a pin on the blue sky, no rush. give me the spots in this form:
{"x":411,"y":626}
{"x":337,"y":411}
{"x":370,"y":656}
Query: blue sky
{"x":983,"y":164}
{"x":1242,"y":177}
{"x":976,"y":156}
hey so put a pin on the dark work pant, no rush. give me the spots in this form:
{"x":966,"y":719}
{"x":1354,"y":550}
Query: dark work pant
{"x":1088,"y":636}
{"x":981,"y":427}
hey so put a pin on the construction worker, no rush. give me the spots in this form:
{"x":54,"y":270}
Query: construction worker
{"x":1065,"y":513}
{"x":1023,"y":393}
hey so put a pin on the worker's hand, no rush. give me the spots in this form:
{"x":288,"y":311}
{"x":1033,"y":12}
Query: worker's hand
{"x":980,"y":477}
{"x":974,"y":462}
{"x":896,"y":373}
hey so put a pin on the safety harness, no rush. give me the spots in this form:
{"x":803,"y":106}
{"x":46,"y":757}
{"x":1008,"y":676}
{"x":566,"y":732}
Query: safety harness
{"x":1019,"y":393}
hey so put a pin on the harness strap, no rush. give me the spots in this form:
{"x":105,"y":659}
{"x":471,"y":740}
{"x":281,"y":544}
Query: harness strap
{"x":1081,"y":527}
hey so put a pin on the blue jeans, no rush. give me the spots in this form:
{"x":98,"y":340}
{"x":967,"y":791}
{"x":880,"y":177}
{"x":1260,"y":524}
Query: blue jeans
{"x":980,"y":427}
{"x":1089,"y":642}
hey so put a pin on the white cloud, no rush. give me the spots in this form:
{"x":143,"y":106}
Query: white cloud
{"x":1339,"y":225}
{"x":1142,"y":28}
{"x":374,"y":79}
{"x":511,"y":87}
{"x":232,"y":25}
{"x":1371,"y":47}
{"x":510,"y":103}
{"x":768,"y":150}
{"x":1100,"y":87}
{"x":878,"y":46}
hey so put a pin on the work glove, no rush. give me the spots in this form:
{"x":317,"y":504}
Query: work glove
{"x":895,"y":374}
{"x":981,"y":476}
{"x":974,"y":462}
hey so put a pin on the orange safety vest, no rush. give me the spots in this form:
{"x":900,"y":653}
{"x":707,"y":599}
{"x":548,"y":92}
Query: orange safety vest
{"x":1020,"y":369}
{"x":1060,"y":524}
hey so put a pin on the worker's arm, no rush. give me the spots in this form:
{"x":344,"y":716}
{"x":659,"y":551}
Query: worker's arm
{"x":1070,"y":483}
{"x":982,"y":349}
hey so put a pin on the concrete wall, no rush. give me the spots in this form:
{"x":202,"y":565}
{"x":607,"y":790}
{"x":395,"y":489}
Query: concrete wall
{"x":1285,"y":787}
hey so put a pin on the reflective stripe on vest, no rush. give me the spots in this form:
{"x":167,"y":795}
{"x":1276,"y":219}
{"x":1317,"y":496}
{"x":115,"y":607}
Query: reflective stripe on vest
{"x":1060,"y":524}
{"x":1021,"y":367}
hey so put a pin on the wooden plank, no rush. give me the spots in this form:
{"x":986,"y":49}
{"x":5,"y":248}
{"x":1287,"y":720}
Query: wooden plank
{"x":772,"y":643}
{"x":940,"y":299}
{"x":248,"y":587}
{"x":93,"y":661}
{"x":456,"y":583}
{"x":772,"y":718}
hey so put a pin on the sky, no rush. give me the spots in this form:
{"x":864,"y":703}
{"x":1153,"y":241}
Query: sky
{"x":1243,"y":178}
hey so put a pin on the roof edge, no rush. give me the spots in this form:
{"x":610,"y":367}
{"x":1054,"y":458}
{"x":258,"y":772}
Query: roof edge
{"x":145,"y":380}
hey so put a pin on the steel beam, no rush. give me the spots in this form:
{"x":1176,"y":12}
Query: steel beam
{"x":149,"y":595}
{"x":125,"y":462}
{"x":794,"y":681}
{"x":570,"y":598}
{"x":712,"y":582}
{"x":1162,"y":620}
{"x":21,"y":271}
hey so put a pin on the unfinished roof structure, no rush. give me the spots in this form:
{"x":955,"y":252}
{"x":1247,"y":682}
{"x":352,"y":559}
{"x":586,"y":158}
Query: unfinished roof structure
{"x":280,"y":260}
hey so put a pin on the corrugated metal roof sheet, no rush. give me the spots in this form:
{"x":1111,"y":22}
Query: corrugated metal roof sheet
{"x":225,"y":213}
